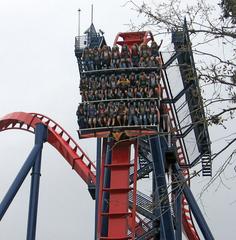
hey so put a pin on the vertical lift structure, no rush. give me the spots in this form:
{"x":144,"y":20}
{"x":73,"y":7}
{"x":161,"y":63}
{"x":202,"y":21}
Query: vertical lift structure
{"x":122,"y":212}
{"x":126,"y":154}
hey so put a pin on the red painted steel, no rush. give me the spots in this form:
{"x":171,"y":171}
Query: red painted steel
{"x":130,"y":38}
{"x":139,"y":231}
{"x":119,"y":191}
{"x":133,"y":225}
{"x":120,"y":218}
{"x":57,"y":137}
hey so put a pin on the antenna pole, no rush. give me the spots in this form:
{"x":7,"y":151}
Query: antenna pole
{"x":79,"y":10}
{"x":92,"y":14}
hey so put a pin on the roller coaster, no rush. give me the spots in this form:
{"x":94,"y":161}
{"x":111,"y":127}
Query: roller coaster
{"x":149,"y":123}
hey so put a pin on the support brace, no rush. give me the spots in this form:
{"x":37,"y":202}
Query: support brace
{"x":98,"y":171}
{"x":193,"y":205}
{"x":40,"y":137}
{"x":18,"y":180}
{"x":159,"y":171}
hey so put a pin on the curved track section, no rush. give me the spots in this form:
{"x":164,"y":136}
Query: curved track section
{"x":73,"y":154}
{"x":57,"y":137}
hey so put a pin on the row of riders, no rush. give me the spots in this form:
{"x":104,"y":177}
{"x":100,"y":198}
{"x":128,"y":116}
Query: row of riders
{"x":121,"y":86}
{"x":118,"y":113}
{"x":107,"y":57}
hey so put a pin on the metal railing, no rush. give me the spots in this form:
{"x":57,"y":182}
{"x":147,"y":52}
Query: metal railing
{"x":81,"y":42}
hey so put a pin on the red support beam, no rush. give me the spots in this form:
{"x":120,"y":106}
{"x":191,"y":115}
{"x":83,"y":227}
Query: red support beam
{"x":119,"y":190}
{"x":119,"y":216}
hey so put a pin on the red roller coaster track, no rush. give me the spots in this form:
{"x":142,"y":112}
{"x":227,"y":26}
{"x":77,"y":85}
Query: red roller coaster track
{"x":57,"y":137}
{"x":73,"y":154}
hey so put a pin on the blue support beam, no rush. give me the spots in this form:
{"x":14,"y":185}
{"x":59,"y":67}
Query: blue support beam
{"x":98,"y":171}
{"x":106,"y":184}
{"x":157,"y":222}
{"x":159,"y":171}
{"x":40,"y":138}
{"x":177,"y":193}
{"x":18,"y":180}
{"x":194,"y":206}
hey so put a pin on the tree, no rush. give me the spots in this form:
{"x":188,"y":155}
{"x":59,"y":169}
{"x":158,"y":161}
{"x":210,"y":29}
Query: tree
{"x":229,"y":7}
{"x":209,"y":24}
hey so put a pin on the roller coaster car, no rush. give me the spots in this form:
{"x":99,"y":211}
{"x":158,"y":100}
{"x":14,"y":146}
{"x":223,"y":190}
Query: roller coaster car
{"x":137,"y":94}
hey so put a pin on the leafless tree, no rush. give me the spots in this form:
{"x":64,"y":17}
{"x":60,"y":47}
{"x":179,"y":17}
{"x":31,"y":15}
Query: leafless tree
{"x":212,"y":30}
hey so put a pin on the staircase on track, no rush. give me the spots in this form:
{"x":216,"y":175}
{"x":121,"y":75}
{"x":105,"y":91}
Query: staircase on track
{"x":144,"y":204}
{"x":206,"y":165}
{"x":145,"y":161}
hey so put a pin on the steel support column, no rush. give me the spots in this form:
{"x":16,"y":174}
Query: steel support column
{"x":105,"y":194}
{"x":98,"y":169}
{"x":18,"y":180}
{"x":177,"y":202}
{"x":156,"y":210}
{"x":194,"y":206}
{"x":40,"y":138}
{"x":159,"y":171}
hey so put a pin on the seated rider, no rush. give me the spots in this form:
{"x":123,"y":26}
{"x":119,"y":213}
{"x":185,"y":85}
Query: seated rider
{"x":83,"y":84}
{"x":86,"y":59}
{"x":122,"y":114}
{"x":81,"y":113}
{"x":105,"y":57}
{"x":110,"y":94}
{"x":130,"y":93}
{"x":113,"y":82}
{"x":103,"y":83}
{"x":100,"y":95}
{"x":91,"y":96}
{"x":102,"y":114}
{"x":157,"y":93}
{"x":144,"y":55}
{"x":153,"y":80}
{"x":92,"y":115}
{"x":118,"y":93}
{"x":123,"y":83}
{"x":132,"y":114}
{"x":154,"y":116}
{"x":135,"y":57}
{"x":91,"y":59}
{"x":97,"y":59}
{"x":92,"y":83}
{"x":115,"y":57}
{"x":155,"y":55}
{"x":111,"y":113}
{"x":143,"y":81}
{"x":142,"y":114}
{"x":85,"y":96}
{"x":133,"y":80}
{"x":125,"y":60}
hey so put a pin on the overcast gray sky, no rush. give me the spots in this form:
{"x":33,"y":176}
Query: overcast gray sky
{"x":38,"y":73}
